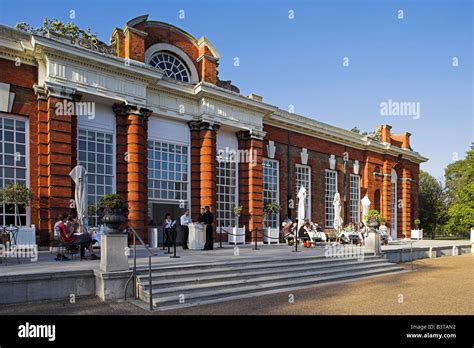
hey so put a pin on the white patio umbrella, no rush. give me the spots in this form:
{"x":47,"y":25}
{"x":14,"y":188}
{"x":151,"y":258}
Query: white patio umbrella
{"x":79,"y":176}
{"x":365,"y":208}
{"x":301,"y":207}
{"x":337,"y":212}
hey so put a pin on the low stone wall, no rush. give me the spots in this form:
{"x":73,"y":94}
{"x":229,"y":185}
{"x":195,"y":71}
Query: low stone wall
{"x":62,"y":285}
{"x":46,"y":286}
{"x":406,"y":254}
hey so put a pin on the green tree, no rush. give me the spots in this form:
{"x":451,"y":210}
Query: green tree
{"x":16,"y":194}
{"x":433,"y":203}
{"x":459,"y":177}
{"x":57,"y":27}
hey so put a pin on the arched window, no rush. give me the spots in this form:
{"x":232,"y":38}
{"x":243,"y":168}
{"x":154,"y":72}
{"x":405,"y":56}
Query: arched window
{"x":171,"y":65}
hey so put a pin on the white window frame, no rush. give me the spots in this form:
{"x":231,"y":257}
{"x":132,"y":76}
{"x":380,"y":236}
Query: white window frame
{"x":308,"y":189}
{"x":152,"y":198}
{"x":329,"y":199}
{"x":155,"y":48}
{"x":114,"y":169}
{"x":27,"y":162}
{"x":354,"y":198}
{"x":220,"y":214}
{"x":274,"y":221}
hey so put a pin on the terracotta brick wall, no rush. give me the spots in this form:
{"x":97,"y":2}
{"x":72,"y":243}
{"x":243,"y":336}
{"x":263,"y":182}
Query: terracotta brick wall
{"x":132,"y":164}
{"x":56,"y":158}
{"x":203,"y":166}
{"x":251,"y":184}
{"x":318,"y":153}
{"x":133,"y":45}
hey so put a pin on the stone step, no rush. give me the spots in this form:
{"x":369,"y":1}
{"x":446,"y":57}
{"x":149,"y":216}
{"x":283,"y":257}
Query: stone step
{"x":230,"y":292}
{"x":182,"y":266}
{"x":221,"y":284}
{"x":242,"y":274}
{"x":199,"y":269}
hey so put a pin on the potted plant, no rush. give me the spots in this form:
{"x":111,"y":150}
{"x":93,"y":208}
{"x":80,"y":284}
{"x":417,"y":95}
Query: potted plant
{"x":417,"y":224}
{"x":271,"y":234}
{"x":237,"y":212}
{"x":113,"y":212}
{"x":238,"y":234}
{"x":372,"y":218}
{"x":18,"y":195}
{"x":416,"y":233}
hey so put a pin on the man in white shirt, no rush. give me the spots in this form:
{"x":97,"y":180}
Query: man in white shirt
{"x":185,"y":221}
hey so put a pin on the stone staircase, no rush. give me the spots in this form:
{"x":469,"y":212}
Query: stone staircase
{"x":185,"y":285}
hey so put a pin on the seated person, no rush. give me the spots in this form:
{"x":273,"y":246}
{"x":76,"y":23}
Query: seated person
{"x":68,"y":232}
{"x":84,"y":239}
{"x":287,"y":231}
{"x":316,"y":233}
{"x":303,"y":231}
{"x":58,"y":227}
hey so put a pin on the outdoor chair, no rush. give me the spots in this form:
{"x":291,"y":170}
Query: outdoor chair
{"x":8,"y":238}
{"x":65,"y":249}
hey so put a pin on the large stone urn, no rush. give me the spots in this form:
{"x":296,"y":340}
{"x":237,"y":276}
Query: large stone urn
{"x":113,"y":218}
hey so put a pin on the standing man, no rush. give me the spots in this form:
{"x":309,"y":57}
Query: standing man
{"x":207,"y":219}
{"x":185,"y":221}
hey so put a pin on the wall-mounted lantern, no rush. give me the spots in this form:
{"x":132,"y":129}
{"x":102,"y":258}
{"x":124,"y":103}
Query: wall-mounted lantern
{"x":332,"y":162}
{"x":356,"y":167}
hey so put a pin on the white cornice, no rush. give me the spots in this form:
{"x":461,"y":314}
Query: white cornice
{"x":137,"y":69}
{"x":341,"y":136}
{"x":204,"y":88}
{"x":13,"y":49}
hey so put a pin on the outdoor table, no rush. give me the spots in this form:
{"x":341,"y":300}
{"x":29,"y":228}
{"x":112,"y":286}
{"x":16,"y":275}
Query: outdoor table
{"x":26,"y":236}
{"x":13,"y":232}
{"x":196,"y":237}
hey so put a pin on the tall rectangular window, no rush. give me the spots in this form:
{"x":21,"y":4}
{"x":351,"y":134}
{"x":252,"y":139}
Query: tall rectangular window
{"x":394,"y":202}
{"x":96,"y":153}
{"x":331,"y":189}
{"x":303,"y":178}
{"x":167,"y":171}
{"x":13,"y":170}
{"x":271,"y":190}
{"x":355,"y":198}
{"x":226,"y":191}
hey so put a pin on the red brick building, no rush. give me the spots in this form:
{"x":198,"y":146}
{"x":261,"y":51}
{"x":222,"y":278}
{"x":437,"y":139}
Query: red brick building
{"x":149,"y":118}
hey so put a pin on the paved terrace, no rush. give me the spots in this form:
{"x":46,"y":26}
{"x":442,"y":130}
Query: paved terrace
{"x":46,"y":262}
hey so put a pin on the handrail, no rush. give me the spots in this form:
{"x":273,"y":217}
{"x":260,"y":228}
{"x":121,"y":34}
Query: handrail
{"x":134,"y":271}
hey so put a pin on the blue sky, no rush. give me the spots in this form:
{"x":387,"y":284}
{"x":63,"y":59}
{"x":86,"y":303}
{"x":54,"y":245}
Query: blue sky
{"x":299,"y":61}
